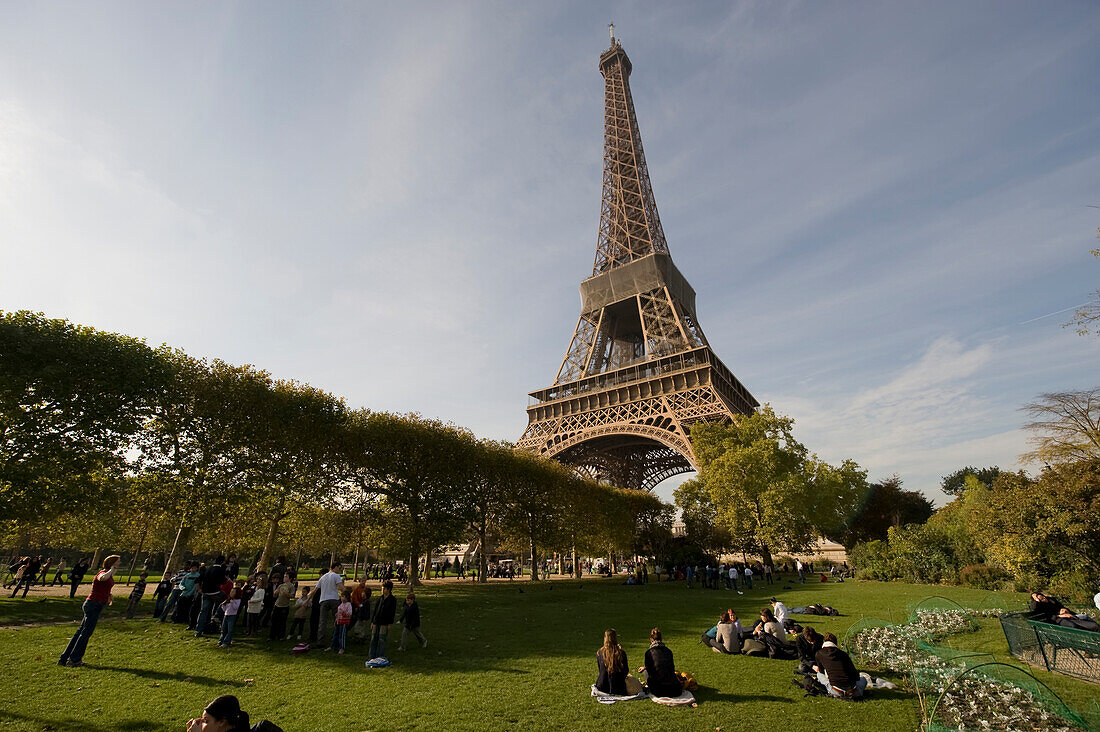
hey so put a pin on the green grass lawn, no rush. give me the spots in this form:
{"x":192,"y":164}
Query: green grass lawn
{"x":497,"y":658}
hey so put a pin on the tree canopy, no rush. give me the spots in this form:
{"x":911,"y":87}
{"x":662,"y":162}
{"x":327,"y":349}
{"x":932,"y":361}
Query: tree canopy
{"x":767,"y":489}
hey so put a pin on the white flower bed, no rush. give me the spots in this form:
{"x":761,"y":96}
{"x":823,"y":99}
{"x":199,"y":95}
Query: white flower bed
{"x":974,"y":702}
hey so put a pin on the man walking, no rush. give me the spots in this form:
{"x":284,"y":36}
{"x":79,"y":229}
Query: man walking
{"x":328,"y":590}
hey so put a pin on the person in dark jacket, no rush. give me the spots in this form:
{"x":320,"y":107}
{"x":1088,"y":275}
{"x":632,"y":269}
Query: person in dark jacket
{"x":1067,"y":619}
{"x":611,"y":665}
{"x":410,"y":618}
{"x":836,"y":672}
{"x":29,"y":577}
{"x":1043,"y":608}
{"x":381,"y":621}
{"x":661,"y":678}
{"x":76,"y":576}
{"x":212,"y":594}
{"x":808,"y":643}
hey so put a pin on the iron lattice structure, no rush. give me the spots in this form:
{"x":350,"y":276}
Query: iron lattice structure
{"x":639,"y":371}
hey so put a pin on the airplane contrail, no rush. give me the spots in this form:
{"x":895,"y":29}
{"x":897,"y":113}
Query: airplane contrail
{"x":1056,"y":312}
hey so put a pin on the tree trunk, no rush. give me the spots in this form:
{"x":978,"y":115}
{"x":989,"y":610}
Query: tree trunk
{"x":765,"y":554}
{"x":355,"y":564}
{"x":482,"y":562}
{"x":144,"y":531}
{"x":179,"y":549}
{"x":414,"y":557}
{"x":576,"y":567}
{"x":534,"y":562}
{"x":97,"y":557}
{"x":272,"y":534}
{"x":332,"y":557}
{"x":428,"y":563}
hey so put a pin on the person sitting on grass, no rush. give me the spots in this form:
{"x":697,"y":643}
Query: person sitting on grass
{"x":724,"y":637}
{"x":836,"y":672}
{"x":808,"y":643}
{"x":660,"y":670}
{"x":611,"y":665}
{"x":768,"y":624}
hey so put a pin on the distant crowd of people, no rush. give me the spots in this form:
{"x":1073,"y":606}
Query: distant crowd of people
{"x":210,"y":599}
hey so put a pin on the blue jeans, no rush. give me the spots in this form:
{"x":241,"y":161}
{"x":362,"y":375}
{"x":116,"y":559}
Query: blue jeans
{"x":378,"y":641}
{"x":748,"y":583}
{"x":228,"y":623}
{"x":340,"y":638}
{"x":208,"y":603}
{"x":74,"y":653}
{"x":170,"y":605}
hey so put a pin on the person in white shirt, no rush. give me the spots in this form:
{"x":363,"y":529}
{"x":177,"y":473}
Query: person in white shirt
{"x":748,"y":576}
{"x":733,"y":577}
{"x":801,"y":570}
{"x":329,"y":587}
{"x":780,"y":611}
{"x":1096,"y":600}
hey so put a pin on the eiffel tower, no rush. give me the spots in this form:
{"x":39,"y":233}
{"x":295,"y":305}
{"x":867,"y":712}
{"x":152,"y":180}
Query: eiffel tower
{"x":639,"y":371}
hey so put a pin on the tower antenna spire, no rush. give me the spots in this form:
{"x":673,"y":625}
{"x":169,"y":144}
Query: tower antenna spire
{"x":611,"y":29}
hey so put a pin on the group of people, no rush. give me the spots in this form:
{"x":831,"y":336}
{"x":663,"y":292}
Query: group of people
{"x":818,"y":655}
{"x":1047,"y":609}
{"x":210,"y":599}
{"x":25,"y":572}
{"x":821,"y":658}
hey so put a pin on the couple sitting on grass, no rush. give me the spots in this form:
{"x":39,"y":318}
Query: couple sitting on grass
{"x":614,"y":672}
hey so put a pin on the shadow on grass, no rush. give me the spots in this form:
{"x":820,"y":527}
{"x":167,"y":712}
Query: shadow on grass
{"x":146,"y":673}
{"x":70,"y":723}
{"x":707,"y":694}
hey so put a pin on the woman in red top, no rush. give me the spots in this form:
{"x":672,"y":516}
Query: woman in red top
{"x":99,"y":598}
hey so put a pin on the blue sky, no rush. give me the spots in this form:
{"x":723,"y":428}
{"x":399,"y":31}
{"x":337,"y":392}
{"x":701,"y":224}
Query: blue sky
{"x":879,"y":204}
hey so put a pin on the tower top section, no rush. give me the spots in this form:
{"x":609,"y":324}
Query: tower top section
{"x":630,"y":227}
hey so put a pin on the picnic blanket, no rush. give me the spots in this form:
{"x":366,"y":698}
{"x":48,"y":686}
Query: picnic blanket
{"x":633,"y":686}
{"x":685,"y":699}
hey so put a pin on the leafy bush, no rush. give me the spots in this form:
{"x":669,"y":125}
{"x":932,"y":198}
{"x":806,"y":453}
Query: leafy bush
{"x":982,"y":576}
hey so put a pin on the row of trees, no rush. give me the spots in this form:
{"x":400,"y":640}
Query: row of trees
{"x":106,"y":442}
{"x":1007,"y":529}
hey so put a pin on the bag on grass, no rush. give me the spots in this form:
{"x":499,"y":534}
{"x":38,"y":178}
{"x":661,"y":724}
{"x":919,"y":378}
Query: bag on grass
{"x":811,"y":686}
{"x":300,"y":649}
{"x":687,"y":681}
{"x":753,"y":647}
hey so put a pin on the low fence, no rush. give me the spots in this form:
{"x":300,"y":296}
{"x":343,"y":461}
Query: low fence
{"x":1069,"y":651}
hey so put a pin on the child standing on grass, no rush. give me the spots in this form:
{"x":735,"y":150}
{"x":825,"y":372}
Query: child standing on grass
{"x":410,"y":618}
{"x":343,"y":620}
{"x":255,"y":606}
{"x":136,"y":595}
{"x":301,"y":613}
{"x":230,"y":607}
